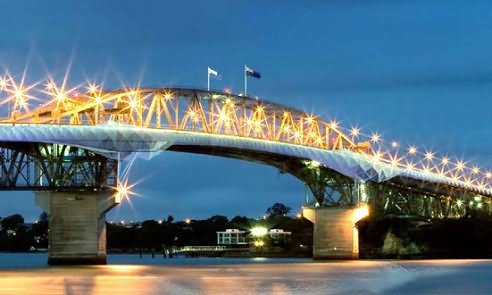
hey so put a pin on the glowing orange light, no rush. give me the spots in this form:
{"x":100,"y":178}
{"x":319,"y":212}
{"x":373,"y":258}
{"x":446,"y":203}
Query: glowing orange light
{"x":360,"y":212}
{"x":167,"y":96}
{"x":123,"y":191}
{"x":412,"y":150}
{"x":333,"y":124}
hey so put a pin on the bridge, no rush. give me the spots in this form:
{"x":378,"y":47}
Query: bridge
{"x":66,"y":145}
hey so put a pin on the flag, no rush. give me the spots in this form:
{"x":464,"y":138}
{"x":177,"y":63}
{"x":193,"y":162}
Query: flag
{"x":252,"y":73}
{"x":213,"y":72}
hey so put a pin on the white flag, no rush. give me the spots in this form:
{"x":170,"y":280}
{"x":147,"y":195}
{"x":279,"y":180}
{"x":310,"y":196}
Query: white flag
{"x":212,"y":72}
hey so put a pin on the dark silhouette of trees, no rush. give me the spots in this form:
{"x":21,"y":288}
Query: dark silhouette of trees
{"x":278,"y":209}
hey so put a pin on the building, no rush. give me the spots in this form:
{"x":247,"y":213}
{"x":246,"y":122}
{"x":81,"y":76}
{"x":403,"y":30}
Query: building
{"x":232,"y":237}
{"x":279,"y":236}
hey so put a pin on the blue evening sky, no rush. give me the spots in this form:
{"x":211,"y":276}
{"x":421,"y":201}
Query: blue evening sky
{"x":417,"y":71}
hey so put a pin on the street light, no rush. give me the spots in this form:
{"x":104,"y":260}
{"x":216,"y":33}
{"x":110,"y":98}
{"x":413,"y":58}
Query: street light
{"x":259,"y":231}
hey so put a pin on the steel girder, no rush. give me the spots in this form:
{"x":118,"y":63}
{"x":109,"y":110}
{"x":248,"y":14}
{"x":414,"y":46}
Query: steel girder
{"x":54,"y":167}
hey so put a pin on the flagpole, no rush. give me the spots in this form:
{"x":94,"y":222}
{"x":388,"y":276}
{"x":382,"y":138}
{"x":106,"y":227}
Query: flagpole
{"x":245,"y":82}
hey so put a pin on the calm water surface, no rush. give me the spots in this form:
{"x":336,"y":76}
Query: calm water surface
{"x":129,"y":274}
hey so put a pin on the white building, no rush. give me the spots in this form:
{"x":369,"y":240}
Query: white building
{"x":232,"y":237}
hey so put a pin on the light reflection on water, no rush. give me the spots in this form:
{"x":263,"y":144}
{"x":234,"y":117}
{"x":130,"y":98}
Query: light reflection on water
{"x":129,"y":274}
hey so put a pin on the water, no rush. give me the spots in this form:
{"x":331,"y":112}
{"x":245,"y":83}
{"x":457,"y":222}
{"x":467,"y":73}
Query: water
{"x":129,"y":274}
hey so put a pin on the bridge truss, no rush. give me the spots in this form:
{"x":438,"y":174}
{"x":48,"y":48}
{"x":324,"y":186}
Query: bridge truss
{"x":54,"y":167}
{"x":43,"y":166}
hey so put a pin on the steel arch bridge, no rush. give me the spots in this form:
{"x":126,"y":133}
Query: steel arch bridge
{"x":74,"y":140}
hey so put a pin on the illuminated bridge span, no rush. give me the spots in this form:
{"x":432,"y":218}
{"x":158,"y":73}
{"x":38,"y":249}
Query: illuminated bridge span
{"x":72,"y":141}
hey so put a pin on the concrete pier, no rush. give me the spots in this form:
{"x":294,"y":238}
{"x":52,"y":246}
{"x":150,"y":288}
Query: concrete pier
{"x":335,"y":235}
{"x":77,"y":226}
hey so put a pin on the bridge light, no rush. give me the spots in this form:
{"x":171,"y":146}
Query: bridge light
{"x":60,"y":97}
{"x":285,"y":114}
{"x":133,"y":103}
{"x":3,"y":83}
{"x":310,"y":119}
{"x":445,"y":161}
{"x":228,"y":101}
{"x":333,"y":124}
{"x":460,"y":165}
{"x":19,"y":93}
{"x":98,"y":99}
{"x":410,"y":166}
{"x":167,"y":96}
{"x":412,"y":150}
{"x":475,"y":170}
{"x":429,"y":156}
{"x":354,"y":131}
{"x":375,"y":137}
{"x":394,"y":162}
{"x":378,"y":155}
{"x":488,"y":174}
{"x":394,"y":144}
{"x":297,"y":134}
{"x":259,"y":109}
{"x":93,"y":89}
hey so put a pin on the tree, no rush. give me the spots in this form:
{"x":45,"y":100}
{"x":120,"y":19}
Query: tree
{"x":277,"y":209}
{"x":43,"y":217}
{"x":12,"y":221}
{"x":170,"y":219}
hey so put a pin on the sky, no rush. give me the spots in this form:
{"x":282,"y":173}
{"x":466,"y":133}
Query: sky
{"x":415,"y":71}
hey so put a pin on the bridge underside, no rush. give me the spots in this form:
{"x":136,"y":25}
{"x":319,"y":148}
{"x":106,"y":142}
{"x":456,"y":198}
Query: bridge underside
{"x":75,"y":187}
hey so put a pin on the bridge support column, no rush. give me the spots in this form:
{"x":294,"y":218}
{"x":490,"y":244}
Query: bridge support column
{"x":77,"y":226}
{"x":335,"y":235}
